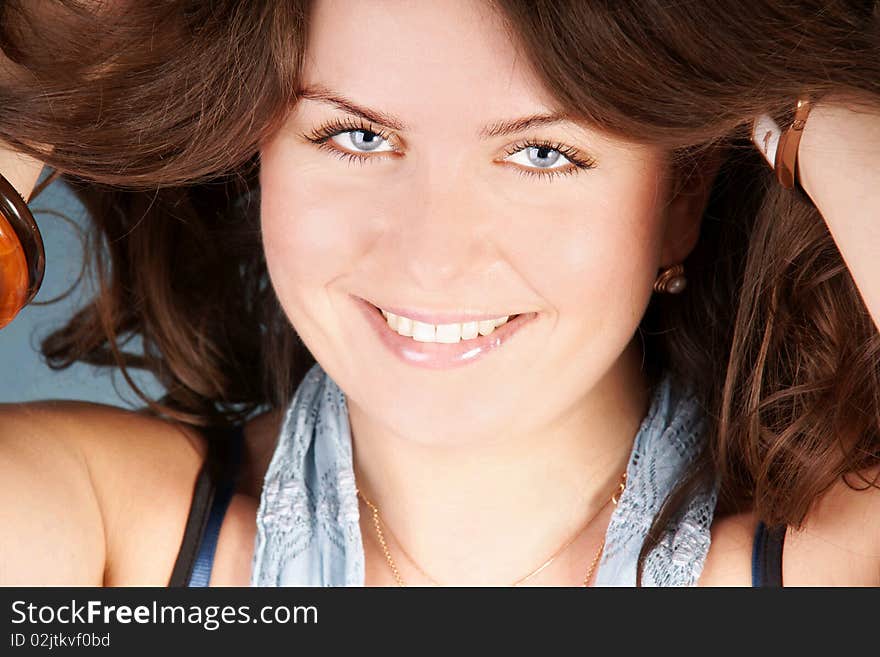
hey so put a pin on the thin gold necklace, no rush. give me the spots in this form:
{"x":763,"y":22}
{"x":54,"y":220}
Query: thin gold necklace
{"x":377,"y":523}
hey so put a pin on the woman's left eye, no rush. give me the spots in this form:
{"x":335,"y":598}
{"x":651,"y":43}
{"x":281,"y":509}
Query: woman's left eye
{"x":539,"y":157}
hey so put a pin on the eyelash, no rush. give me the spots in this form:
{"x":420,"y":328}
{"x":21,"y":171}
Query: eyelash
{"x":322,"y":135}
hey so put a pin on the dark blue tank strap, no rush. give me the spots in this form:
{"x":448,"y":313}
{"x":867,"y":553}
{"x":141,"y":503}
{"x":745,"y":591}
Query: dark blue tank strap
{"x":223,"y":492}
{"x":767,"y":555}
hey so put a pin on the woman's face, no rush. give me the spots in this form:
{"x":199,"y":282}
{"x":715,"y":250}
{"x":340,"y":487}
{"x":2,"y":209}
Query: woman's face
{"x":407,"y":176}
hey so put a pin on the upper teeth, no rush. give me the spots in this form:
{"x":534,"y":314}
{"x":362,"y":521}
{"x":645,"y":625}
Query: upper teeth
{"x":447,"y":333}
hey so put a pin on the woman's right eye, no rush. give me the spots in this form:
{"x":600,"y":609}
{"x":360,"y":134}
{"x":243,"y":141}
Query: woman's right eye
{"x":361,"y":141}
{"x":354,"y":140}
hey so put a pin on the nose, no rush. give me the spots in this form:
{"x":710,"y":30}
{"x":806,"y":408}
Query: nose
{"x":442,"y":240}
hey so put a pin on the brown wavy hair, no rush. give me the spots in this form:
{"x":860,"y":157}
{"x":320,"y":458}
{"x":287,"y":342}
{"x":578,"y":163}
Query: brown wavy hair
{"x":154,"y":116}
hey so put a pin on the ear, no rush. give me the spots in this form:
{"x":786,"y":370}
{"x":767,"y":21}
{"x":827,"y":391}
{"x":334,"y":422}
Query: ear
{"x":684,"y":212}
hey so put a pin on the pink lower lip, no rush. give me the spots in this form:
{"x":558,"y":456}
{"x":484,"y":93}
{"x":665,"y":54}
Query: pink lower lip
{"x":435,"y":355}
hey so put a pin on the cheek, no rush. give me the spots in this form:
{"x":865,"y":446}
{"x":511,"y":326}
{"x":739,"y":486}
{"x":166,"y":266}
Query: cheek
{"x":309,"y":237}
{"x":597,"y":251}
{"x":594,"y":263}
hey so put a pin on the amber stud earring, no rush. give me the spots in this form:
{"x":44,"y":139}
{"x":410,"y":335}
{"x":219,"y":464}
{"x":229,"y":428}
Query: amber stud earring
{"x":671,"y":280}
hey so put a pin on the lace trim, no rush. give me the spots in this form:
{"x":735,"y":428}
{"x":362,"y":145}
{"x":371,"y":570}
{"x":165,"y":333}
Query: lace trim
{"x":308,"y":531}
{"x":669,"y":440}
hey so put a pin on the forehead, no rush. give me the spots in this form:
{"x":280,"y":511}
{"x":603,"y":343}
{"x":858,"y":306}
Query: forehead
{"x":421,"y":58}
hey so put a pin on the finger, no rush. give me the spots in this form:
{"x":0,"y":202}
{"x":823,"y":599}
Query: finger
{"x":22,"y":171}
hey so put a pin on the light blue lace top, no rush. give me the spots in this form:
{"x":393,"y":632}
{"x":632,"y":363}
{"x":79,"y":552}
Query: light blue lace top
{"x":308,"y":531}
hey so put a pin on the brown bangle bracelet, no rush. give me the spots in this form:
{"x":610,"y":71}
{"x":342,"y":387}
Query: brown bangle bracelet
{"x":787,"y":150}
{"x":22,"y":256}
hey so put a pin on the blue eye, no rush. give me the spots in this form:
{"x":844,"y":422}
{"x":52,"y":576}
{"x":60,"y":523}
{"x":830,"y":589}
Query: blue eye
{"x":364,"y":141}
{"x":546,"y":159}
{"x":541,"y":157}
{"x":349,"y":139}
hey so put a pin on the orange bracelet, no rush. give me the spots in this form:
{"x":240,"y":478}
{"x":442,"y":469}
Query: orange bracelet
{"x":22,"y":257}
{"x":787,"y":149}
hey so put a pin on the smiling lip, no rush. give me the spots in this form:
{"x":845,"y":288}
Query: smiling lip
{"x":436,"y":355}
{"x":439,"y":318}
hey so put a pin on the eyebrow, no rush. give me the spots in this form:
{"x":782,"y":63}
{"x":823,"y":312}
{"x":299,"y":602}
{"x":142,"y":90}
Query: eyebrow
{"x":496,"y":129}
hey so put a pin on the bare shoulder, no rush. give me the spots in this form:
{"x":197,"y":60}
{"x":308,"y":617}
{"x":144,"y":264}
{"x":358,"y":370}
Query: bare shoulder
{"x":728,"y":562}
{"x":110,"y":485}
{"x":838,"y":544}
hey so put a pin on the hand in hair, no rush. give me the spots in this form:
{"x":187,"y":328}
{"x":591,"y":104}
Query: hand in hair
{"x":839,"y":167}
